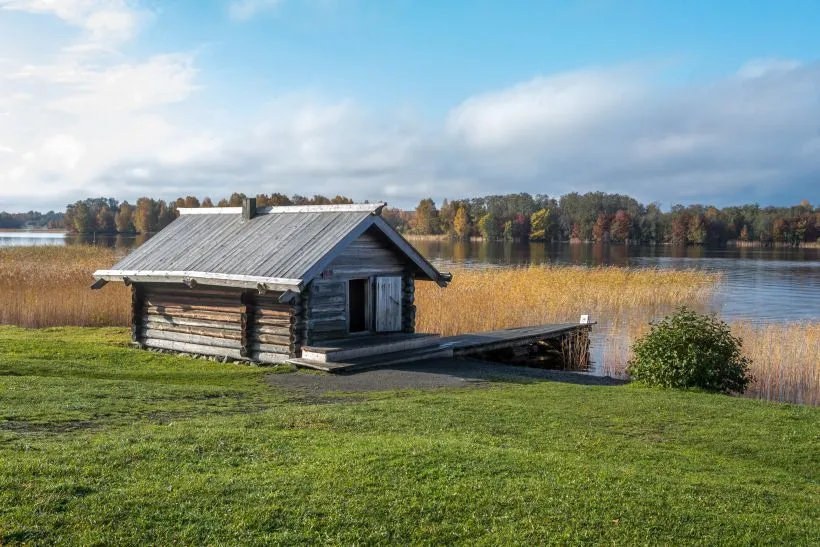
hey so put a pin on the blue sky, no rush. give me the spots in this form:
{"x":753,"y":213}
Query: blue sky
{"x":698,"y":101}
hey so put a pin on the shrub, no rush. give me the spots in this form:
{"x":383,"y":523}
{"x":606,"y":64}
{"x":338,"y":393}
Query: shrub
{"x":688,"y":349}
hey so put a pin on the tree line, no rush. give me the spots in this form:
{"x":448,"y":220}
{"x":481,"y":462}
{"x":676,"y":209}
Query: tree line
{"x":30,"y":220}
{"x":593,"y":216}
{"x":148,"y":215}
{"x":599,"y":216}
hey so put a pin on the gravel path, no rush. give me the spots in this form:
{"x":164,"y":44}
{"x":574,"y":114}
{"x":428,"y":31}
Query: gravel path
{"x":430,"y":374}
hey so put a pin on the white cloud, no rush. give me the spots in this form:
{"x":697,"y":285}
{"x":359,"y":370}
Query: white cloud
{"x":85,"y":121}
{"x":241,"y":10}
{"x":614,"y":130}
{"x":557,"y":105}
{"x":105,"y":21}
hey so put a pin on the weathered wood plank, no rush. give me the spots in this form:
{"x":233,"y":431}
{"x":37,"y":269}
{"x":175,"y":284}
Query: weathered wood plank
{"x":167,"y":320}
{"x":321,"y":289}
{"x":180,"y":290}
{"x":272,"y":358}
{"x":269,"y":299}
{"x":319,"y":337}
{"x":198,"y":331}
{"x":271,"y":339}
{"x":192,"y":314}
{"x":273,"y":322}
{"x":388,"y":304}
{"x":328,"y":315}
{"x":190,"y":338}
{"x":328,"y":302}
{"x":184,"y":306}
{"x":263,"y":312}
{"x":260,"y":347}
{"x":280,"y":331}
{"x":324,"y":326}
{"x":197,"y":349}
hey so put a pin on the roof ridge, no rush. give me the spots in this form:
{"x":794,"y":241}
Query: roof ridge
{"x":373,"y":208}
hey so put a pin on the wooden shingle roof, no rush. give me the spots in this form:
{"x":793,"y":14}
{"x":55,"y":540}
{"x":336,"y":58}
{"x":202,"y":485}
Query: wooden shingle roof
{"x":280,"y":248}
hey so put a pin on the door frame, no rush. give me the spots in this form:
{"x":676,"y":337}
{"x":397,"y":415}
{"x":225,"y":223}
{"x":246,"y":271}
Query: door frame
{"x":369,"y":303}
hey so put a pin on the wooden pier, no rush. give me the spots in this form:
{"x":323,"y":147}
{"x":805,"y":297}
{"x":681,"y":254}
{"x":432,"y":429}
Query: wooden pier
{"x":564,"y":344}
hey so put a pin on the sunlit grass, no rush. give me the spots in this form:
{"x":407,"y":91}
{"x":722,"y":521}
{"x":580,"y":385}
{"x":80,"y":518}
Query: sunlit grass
{"x":104,"y":445}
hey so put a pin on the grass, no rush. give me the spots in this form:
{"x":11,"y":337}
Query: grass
{"x":46,"y":286}
{"x":102,"y":444}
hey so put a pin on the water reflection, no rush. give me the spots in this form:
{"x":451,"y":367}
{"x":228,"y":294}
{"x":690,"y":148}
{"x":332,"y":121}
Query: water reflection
{"x":24,"y":239}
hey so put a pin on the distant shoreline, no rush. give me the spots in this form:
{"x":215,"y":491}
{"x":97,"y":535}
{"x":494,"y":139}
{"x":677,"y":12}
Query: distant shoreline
{"x":730,"y":243}
{"x":32,"y":231}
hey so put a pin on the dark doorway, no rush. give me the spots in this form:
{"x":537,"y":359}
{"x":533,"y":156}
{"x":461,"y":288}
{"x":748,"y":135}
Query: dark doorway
{"x":357,"y":304}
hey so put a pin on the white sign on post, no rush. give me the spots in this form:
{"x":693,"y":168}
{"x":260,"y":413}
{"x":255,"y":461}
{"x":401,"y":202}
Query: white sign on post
{"x":585,"y":319}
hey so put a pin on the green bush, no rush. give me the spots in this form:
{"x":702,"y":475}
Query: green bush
{"x":688,"y":349}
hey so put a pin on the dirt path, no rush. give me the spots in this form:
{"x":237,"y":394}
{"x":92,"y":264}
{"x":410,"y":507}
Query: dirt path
{"x":430,"y":374}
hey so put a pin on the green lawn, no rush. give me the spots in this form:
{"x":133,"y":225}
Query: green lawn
{"x":103,"y":444}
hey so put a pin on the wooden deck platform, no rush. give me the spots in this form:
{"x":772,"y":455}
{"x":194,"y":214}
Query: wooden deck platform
{"x":465,"y":345}
{"x":384,"y":350}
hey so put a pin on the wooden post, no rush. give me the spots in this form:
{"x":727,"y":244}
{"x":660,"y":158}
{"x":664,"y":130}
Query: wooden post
{"x":247,"y":324}
{"x":408,"y":308}
{"x":297,"y":326}
{"x":137,"y":314}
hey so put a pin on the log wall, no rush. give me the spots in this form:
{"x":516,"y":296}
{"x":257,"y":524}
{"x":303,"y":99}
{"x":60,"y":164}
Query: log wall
{"x":218,"y":322}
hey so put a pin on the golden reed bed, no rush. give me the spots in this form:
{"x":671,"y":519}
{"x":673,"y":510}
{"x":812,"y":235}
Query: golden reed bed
{"x":49,"y":286}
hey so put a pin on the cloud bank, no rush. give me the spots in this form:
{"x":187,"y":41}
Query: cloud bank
{"x":90,"y":121}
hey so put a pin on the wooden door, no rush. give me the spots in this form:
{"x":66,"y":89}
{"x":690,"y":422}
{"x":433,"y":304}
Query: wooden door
{"x":388,"y":304}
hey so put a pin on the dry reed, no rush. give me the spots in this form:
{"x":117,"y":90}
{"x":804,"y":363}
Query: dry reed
{"x":785,"y":361}
{"x":496,"y":298}
{"x":48,"y":286}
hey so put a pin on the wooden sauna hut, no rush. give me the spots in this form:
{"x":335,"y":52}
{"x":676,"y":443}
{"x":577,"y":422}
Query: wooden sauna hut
{"x":261,"y":284}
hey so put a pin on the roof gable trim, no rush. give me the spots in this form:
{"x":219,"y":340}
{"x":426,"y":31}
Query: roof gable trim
{"x":402,"y":244}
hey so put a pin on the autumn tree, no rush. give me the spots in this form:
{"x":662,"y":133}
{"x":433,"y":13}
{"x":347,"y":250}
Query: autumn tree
{"x":697,"y":230}
{"x":426,"y":219}
{"x":81,"y":219}
{"x":680,"y":229}
{"x":621,"y":226}
{"x":461,"y":224}
{"x":540,"y":225}
{"x":165,"y":214}
{"x":105,"y":220}
{"x":145,"y":215}
{"x":600,"y":230}
{"x":488,"y":226}
{"x":124,"y":219}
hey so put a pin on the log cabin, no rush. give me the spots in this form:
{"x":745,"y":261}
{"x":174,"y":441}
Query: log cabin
{"x":261,"y":284}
